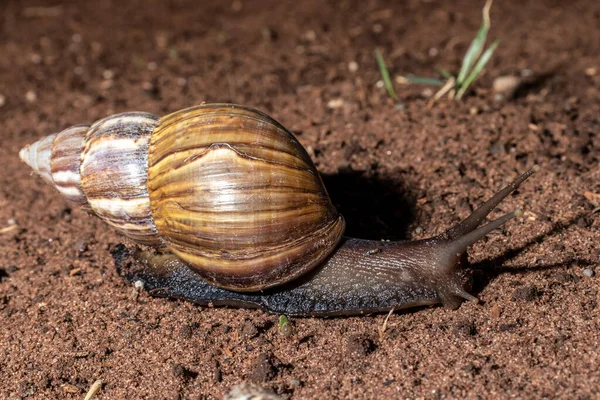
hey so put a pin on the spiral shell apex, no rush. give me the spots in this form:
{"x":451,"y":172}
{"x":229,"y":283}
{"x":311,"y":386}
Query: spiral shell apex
{"x":226,"y":188}
{"x":103,"y":167}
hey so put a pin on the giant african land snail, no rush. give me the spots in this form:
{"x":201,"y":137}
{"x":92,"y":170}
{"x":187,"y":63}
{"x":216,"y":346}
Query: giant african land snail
{"x":231,"y":198}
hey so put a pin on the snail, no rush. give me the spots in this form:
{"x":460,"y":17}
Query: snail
{"x":232,"y":211}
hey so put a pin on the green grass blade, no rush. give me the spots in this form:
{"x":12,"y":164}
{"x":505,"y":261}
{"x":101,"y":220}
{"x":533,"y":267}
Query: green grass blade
{"x":444,"y":73}
{"x":420,"y":80}
{"x":485,"y":57}
{"x":385,"y":75}
{"x":476,"y":46}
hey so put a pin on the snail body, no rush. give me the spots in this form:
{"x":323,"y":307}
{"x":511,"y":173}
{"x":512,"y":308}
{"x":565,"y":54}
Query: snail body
{"x":239,"y":216}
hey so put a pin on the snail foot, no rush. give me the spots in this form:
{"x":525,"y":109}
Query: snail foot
{"x":165,"y":275}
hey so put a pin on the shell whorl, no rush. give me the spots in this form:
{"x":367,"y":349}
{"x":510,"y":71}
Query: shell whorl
{"x":114,"y":174}
{"x":226,"y":188}
{"x":235,"y":195}
{"x":103,"y":167}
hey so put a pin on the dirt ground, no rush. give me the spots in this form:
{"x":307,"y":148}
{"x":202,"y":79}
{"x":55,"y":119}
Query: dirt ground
{"x":395,"y":169}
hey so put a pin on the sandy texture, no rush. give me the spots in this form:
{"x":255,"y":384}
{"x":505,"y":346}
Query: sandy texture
{"x":394,"y":169}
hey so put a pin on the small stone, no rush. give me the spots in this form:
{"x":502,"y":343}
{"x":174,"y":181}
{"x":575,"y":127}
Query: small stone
{"x":335,"y":103}
{"x":247,"y":391}
{"x":310,"y":36}
{"x":108,"y":74}
{"x":592,"y":71}
{"x":352,"y":66}
{"x":377,"y":28}
{"x":427,"y":93}
{"x":506,"y":85}
{"x":526,"y":293}
{"x":80,"y":246}
{"x":526,"y":72}
{"x":30,"y":96}
{"x":35,"y":58}
{"x":263,"y":368}
{"x":295,"y":382}
{"x":147,"y":86}
{"x":495,"y":312}
{"x":588,"y":272}
{"x":139,"y":285}
{"x":506,"y":327}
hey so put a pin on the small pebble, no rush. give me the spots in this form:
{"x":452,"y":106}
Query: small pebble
{"x":427,"y":93}
{"x":588,"y":272}
{"x":335,"y":103}
{"x":525,"y":73}
{"x":138,"y":285}
{"x":147,"y":86}
{"x":30,"y":96}
{"x":246,"y":391}
{"x":506,"y":85}
{"x":353,"y":66}
{"x":310,"y":36}
{"x":377,"y":28}
{"x":591,"y":71}
{"x":525,"y":293}
{"x":35,"y":58}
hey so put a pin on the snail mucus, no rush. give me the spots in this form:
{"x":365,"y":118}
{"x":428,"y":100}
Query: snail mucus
{"x":231,"y":211}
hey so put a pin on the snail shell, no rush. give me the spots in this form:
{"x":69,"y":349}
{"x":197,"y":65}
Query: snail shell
{"x":226,"y":188}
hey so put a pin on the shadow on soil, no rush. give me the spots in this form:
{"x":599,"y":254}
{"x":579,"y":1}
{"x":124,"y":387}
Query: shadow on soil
{"x":373,"y":207}
{"x":489,"y":269}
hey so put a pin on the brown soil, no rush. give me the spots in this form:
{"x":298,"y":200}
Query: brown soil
{"x":394,"y":169}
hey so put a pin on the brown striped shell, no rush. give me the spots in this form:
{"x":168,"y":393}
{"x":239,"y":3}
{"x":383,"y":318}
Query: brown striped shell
{"x":226,"y":188}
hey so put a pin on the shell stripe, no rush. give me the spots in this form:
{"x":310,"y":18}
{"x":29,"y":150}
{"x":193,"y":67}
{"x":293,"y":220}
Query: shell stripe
{"x":239,"y":199}
{"x":66,"y":162}
{"x":259,"y":272}
{"x":114,"y":172}
{"x":240,"y":146}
